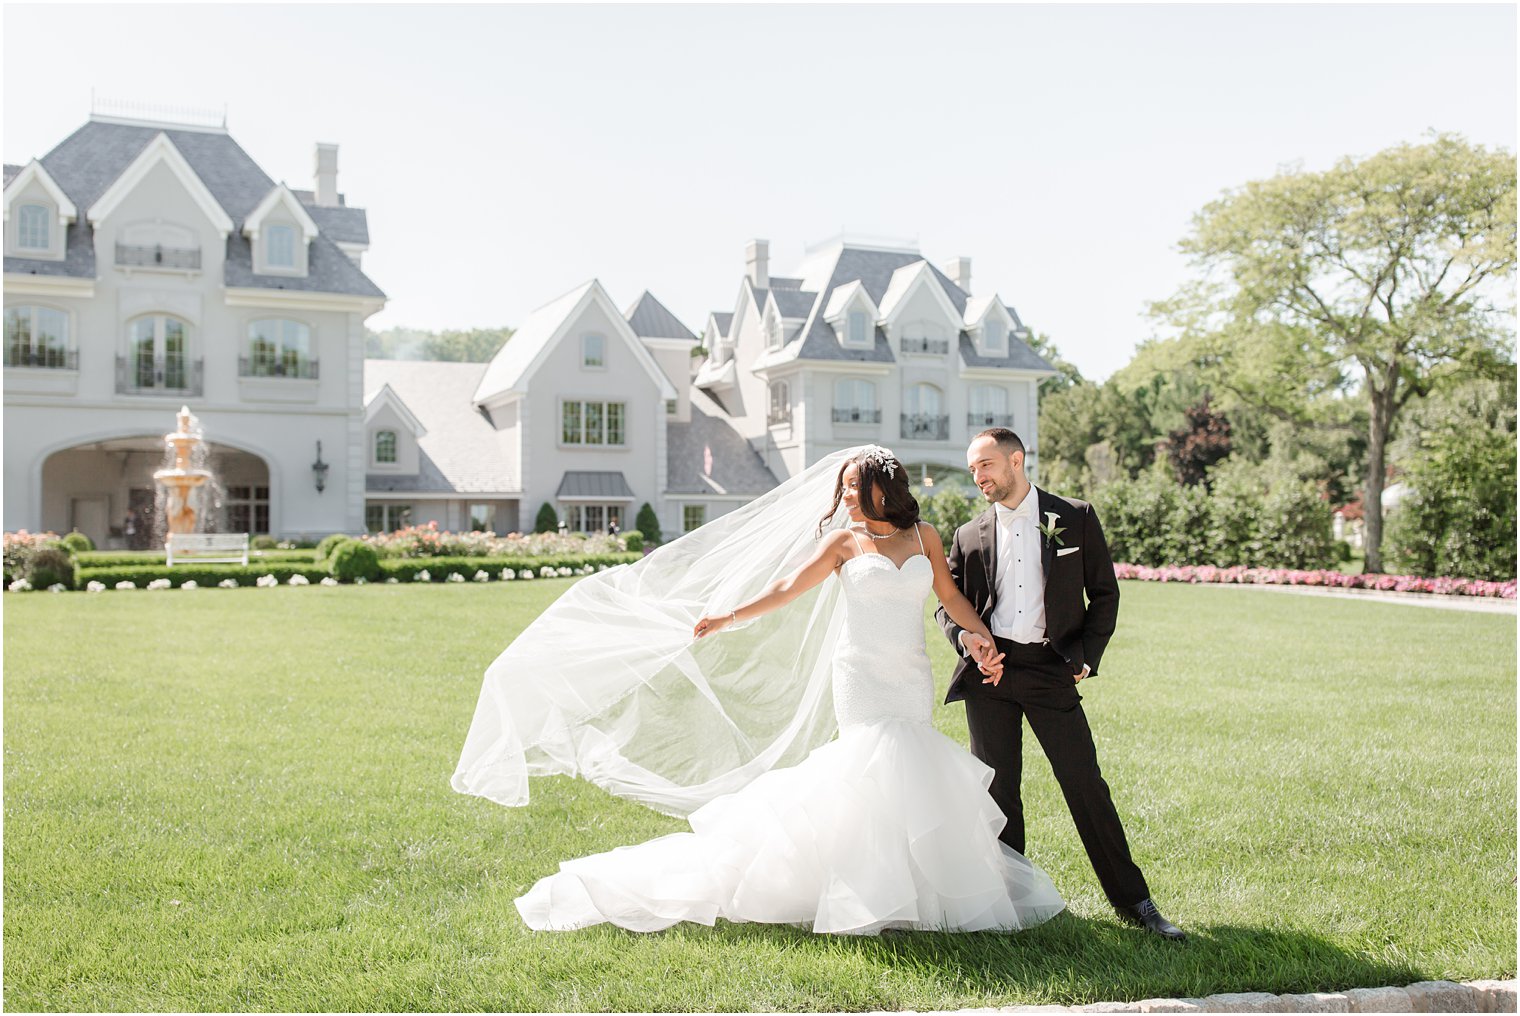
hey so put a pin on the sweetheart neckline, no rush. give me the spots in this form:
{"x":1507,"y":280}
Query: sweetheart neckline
{"x":895,"y":566}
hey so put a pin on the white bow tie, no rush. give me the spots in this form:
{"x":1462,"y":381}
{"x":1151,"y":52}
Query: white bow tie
{"x":1023,"y":511}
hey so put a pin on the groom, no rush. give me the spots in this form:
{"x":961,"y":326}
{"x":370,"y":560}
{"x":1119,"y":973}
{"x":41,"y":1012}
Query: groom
{"x":1024,"y":565}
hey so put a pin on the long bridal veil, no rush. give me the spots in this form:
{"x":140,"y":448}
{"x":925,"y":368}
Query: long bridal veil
{"x":609,"y":685}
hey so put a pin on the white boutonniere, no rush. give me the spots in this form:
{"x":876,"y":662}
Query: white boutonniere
{"x":1051,"y":531}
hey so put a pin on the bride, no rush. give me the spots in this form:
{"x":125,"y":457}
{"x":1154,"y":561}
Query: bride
{"x":887,"y":826}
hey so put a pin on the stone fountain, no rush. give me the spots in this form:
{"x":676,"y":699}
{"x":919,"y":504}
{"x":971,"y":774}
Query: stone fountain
{"x":182,"y":479}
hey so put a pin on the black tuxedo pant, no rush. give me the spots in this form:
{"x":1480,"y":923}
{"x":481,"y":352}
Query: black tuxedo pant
{"x":1037,"y":685}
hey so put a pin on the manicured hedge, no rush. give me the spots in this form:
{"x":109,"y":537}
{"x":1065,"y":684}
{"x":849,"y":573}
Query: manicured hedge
{"x":438,"y":568}
{"x":203,"y":574}
{"x":402,"y":569}
{"x":120,"y":558}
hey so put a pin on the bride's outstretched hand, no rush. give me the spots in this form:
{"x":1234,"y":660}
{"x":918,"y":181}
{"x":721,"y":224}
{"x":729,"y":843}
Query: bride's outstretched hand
{"x":711,"y":623}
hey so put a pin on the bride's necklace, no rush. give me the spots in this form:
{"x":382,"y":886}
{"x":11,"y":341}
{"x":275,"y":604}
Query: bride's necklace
{"x":883,"y":536}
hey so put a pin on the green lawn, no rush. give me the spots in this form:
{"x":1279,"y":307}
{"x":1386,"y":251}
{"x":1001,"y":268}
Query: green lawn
{"x":238,"y":800}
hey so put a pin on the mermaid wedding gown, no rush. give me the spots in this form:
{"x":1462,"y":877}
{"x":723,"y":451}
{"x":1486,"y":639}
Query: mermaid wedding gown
{"x":887,"y":826}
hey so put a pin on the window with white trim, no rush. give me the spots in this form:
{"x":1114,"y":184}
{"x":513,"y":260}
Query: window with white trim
{"x":32,"y":227}
{"x":855,"y":401}
{"x":385,"y":446}
{"x":36,"y":337}
{"x":781,"y":403}
{"x":772,"y":332}
{"x":483,"y":518}
{"x":593,"y":351}
{"x":247,"y":509}
{"x":586,"y":422}
{"x":672,"y":407}
{"x":279,"y":347}
{"x":280,"y":246}
{"x":856,"y":335}
{"x":995,"y":336}
{"x":693,"y":516}
{"x":387,"y":518}
{"x":593,"y":518}
{"x":989,"y":407}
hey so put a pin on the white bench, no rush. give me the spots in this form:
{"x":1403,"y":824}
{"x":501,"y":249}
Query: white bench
{"x":208,"y":548}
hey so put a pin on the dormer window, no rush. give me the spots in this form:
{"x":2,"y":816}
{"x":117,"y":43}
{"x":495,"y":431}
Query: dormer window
{"x":772,"y":332}
{"x":995,"y":336}
{"x":32,"y":229}
{"x":281,"y":249}
{"x":593,"y":351}
{"x":385,"y":446}
{"x":856,"y":335}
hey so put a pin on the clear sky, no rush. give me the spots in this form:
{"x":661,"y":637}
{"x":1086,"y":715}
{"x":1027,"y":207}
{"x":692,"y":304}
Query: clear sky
{"x":507,"y":153}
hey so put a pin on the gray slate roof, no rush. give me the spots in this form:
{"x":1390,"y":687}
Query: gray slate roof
{"x":650,"y":319}
{"x":793,"y":303}
{"x":874,"y":270}
{"x":594,"y":483}
{"x":87,"y":162}
{"x":461,"y":452}
{"x":11,"y":173}
{"x":737,"y":468}
{"x":724,"y":321}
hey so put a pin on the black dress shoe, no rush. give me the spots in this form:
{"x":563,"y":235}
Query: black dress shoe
{"x":1145,"y":915}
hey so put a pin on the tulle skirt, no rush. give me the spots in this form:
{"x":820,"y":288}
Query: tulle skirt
{"x":888,"y":826}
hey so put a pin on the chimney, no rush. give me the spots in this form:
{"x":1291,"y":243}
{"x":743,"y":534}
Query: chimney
{"x":959,"y":270}
{"x":327,"y":175}
{"x":757,"y":263}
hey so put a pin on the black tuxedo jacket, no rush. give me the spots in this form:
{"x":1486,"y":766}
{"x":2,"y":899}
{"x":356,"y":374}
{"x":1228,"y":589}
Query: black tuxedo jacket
{"x":1078,"y":632}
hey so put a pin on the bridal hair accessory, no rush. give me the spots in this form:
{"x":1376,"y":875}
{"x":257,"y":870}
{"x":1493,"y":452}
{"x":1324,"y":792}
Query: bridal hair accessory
{"x":881,"y":458}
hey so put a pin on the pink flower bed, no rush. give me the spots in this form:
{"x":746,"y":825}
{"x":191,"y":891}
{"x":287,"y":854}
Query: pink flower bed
{"x":1329,"y":579}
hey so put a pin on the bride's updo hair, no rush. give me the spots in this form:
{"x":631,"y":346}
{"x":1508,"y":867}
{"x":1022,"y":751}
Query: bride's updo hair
{"x":879,"y":468}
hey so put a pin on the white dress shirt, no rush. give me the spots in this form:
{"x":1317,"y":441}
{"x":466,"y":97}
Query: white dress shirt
{"x":1020,"y":611}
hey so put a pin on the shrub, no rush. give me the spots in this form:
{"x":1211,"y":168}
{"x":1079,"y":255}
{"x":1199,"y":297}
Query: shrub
{"x":76,"y":542}
{"x":354,"y":559}
{"x":325,"y":548}
{"x":648,"y":524}
{"x":49,"y":566}
{"x":264,"y":542}
{"x":547,"y":521}
{"x":633,"y":541}
{"x":437,"y":569}
{"x":947,"y":511}
{"x":139,"y":575}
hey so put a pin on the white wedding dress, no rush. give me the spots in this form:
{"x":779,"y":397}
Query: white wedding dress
{"x":888,"y":826}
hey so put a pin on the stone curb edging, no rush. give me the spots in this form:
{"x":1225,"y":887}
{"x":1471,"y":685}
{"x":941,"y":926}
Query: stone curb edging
{"x":1425,"y":996}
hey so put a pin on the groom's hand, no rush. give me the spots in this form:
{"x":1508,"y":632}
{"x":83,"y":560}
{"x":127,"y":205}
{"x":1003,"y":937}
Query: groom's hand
{"x":986,"y":657}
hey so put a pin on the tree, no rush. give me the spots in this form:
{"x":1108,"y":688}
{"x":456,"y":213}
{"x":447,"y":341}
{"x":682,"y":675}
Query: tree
{"x":473,"y":345}
{"x":1068,"y":376}
{"x":546,"y":521}
{"x":648,"y":523}
{"x":1199,"y":443}
{"x":1370,"y":282}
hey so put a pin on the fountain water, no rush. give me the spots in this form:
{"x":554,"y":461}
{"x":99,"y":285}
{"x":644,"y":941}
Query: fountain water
{"x":181,"y":480}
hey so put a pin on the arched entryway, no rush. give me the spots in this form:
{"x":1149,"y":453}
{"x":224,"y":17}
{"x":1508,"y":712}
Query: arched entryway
{"x":105,"y":489}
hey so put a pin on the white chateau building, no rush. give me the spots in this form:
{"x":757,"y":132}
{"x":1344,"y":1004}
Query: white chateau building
{"x":152,"y":265}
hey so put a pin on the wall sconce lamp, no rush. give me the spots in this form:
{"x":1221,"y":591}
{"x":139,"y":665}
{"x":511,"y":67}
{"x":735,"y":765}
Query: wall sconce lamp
{"x":319,"y":470}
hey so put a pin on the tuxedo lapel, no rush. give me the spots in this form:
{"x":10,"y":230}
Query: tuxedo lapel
{"x":1048,"y":503}
{"x":986,"y":534}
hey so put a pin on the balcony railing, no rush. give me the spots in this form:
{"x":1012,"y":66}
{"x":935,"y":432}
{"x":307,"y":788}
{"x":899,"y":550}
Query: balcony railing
{"x":939,"y":346}
{"x":129,"y":256}
{"x":277,"y":368}
{"x":989,"y":419}
{"x":925,"y":427}
{"x":164,"y":375}
{"x":779,"y":414}
{"x":45,"y":357}
{"x":842,"y":415}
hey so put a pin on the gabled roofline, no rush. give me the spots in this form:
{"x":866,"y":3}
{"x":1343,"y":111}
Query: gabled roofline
{"x":923,"y":275}
{"x":994,"y":301}
{"x":35,"y":170}
{"x":387,"y":396}
{"x":843,"y":296}
{"x":594,"y":294}
{"x":161,"y":150}
{"x":279,"y":194}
